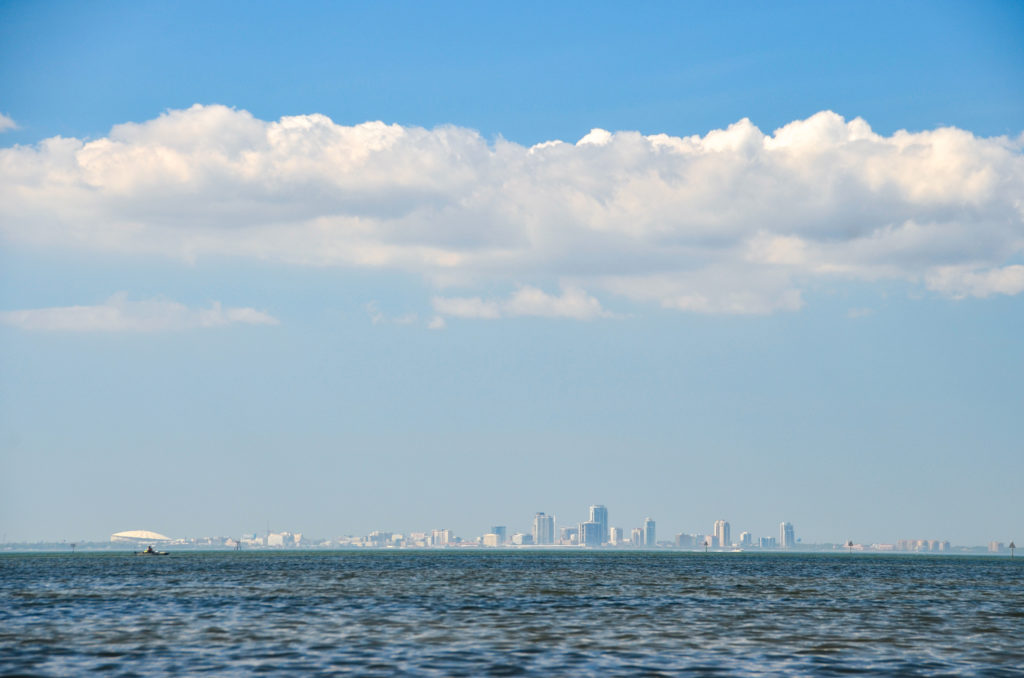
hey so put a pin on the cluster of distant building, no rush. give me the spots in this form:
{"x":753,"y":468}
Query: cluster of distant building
{"x":270,"y":539}
{"x":923,"y":545}
{"x":595,"y":532}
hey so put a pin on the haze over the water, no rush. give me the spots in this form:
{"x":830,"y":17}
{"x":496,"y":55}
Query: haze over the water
{"x":402,"y":267}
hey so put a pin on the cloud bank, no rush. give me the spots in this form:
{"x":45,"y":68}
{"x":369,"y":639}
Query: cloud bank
{"x":118,"y":314}
{"x":734,"y":221}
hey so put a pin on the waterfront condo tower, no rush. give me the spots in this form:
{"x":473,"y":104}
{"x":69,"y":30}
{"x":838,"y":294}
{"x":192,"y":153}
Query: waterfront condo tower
{"x":591,"y":533}
{"x":599,"y":515}
{"x":543,"y":529}
{"x":786,"y":538}
{"x":722,"y":534}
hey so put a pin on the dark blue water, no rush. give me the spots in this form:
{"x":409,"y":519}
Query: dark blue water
{"x":510,"y":613}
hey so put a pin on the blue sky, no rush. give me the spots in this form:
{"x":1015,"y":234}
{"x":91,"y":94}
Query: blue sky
{"x":333,"y":326}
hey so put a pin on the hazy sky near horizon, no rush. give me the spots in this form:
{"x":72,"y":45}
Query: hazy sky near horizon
{"x":401,"y":266}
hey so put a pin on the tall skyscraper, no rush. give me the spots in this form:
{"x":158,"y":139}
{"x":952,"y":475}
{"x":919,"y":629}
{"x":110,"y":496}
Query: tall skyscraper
{"x":746,"y":540}
{"x":500,"y":531}
{"x":786,"y":537}
{"x":599,"y":515}
{"x":636,"y":537}
{"x":543,"y":529}
{"x":722,"y":534}
{"x":650,"y":540}
{"x":591,"y":533}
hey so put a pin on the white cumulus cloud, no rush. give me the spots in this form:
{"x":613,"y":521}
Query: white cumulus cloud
{"x":526,"y":301}
{"x":733,"y":221}
{"x":119,"y":314}
{"x":960,"y":282}
{"x":7,"y":123}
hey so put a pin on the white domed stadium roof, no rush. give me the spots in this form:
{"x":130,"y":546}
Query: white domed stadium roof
{"x":138,"y":535}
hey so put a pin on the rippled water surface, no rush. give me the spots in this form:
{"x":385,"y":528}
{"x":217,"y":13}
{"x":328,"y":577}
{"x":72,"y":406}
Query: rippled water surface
{"x":510,"y":613}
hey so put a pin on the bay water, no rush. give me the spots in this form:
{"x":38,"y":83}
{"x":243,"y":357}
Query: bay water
{"x":531,"y":613}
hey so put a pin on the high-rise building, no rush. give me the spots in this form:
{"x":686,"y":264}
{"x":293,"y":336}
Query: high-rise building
{"x":491,"y":539}
{"x":441,"y":537}
{"x":636,"y":537}
{"x":599,"y":515}
{"x":501,"y":532}
{"x":591,"y":533}
{"x":543,"y":529}
{"x":615,"y":537}
{"x":786,"y":538}
{"x":722,"y":534}
{"x":650,"y":540}
{"x":767,"y":542}
{"x":746,"y":540}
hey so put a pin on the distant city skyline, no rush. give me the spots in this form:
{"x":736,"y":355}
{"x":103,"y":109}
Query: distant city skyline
{"x":596,"y":525}
{"x":586,"y":535}
{"x":545,"y":531}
